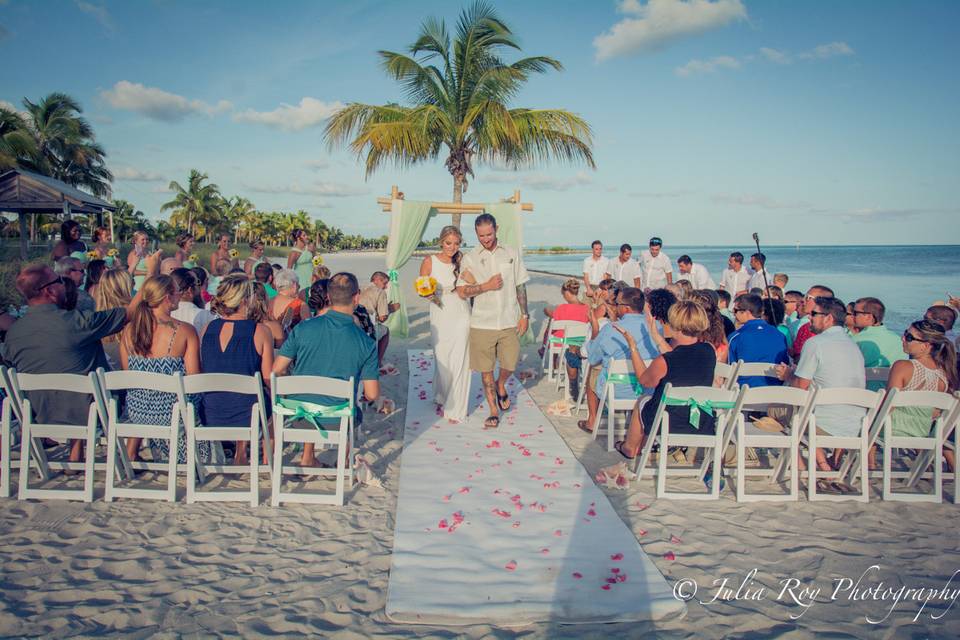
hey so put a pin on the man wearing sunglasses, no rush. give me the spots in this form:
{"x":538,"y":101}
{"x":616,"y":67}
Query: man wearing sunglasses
{"x":804,"y":331}
{"x":830,"y":359}
{"x":70,"y":267}
{"x":50,"y":339}
{"x":880,"y":346}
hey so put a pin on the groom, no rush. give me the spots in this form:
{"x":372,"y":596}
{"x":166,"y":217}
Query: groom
{"x":494,"y":276}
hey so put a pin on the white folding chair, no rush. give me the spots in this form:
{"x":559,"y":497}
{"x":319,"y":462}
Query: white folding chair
{"x":323,"y":434}
{"x":859,"y":444}
{"x":73,"y":383}
{"x":799,"y":402}
{"x":11,"y":420}
{"x":726,"y":404}
{"x":574,"y":334}
{"x":932,"y":443}
{"x":727,"y":373}
{"x":550,"y":351}
{"x":877,"y":377}
{"x":115,"y":381}
{"x":226,"y":382}
{"x":618,"y":370}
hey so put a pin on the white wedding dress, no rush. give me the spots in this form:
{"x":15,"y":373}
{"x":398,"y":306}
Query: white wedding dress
{"x":450,"y":334}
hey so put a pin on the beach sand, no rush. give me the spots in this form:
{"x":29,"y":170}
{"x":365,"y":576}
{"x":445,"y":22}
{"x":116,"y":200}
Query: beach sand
{"x":147,"y":569}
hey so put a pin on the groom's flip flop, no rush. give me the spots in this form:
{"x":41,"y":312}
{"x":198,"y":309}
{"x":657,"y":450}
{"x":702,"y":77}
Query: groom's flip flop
{"x":501,"y":399}
{"x":492,"y":422}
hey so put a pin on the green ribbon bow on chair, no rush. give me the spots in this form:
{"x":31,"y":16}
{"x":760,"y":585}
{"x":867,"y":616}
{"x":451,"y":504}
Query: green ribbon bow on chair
{"x":393,"y":275}
{"x":626,"y":378}
{"x":696,"y":407}
{"x":310,"y":411}
{"x":575,"y":341}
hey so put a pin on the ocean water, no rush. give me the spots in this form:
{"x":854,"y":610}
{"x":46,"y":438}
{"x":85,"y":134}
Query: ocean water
{"x":907,"y":278}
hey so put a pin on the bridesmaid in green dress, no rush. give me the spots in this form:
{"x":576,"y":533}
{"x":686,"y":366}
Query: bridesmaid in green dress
{"x":185,"y":242}
{"x":256,"y":257}
{"x":137,"y":259}
{"x":301,"y":257}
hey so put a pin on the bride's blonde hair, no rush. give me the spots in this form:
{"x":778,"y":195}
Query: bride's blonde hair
{"x":451,"y":230}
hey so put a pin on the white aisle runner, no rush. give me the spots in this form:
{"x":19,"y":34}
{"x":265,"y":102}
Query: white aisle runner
{"x":504,"y":526}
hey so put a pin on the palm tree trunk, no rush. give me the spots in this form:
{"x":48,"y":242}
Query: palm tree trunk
{"x":457,"y":198}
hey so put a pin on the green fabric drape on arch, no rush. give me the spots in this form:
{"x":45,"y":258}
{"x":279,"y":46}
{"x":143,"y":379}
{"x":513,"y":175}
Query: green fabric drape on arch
{"x":510,"y":233}
{"x":408,"y":219}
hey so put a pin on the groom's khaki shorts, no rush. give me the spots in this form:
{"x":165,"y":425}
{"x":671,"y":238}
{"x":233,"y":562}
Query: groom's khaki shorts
{"x":489,"y":345}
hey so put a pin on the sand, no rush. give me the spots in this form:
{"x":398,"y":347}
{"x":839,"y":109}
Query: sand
{"x":148,"y":569}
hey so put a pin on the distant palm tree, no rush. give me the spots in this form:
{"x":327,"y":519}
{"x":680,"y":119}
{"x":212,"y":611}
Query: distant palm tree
{"x":461,"y":105}
{"x":16,"y":143}
{"x":235,"y":211}
{"x":198,"y":203}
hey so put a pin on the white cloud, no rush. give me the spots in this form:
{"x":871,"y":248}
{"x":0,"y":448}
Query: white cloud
{"x":99,"y":12}
{"x":317,"y":165}
{"x":135,"y":175}
{"x":774,"y":55}
{"x":707,"y":66}
{"x":829,"y":50}
{"x":539,"y":180}
{"x":658,"y":22}
{"x":878,"y":214}
{"x":309,"y":113}
{"x":157,"y":103}
{"x":328,"y":189}
{"x":756,"y":200}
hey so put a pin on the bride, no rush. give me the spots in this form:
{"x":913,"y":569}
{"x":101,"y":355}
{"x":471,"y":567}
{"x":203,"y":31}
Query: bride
{"x":449,"y":328}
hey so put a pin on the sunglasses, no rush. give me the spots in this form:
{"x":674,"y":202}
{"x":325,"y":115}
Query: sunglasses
{"x":861,"y":313}
{"x":818,"y":313}
{"x":57,"y":280}
{"x":909,"y":337}
{"x":738,"y":310}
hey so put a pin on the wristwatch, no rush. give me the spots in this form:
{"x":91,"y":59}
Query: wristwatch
{"x":525,"y":315}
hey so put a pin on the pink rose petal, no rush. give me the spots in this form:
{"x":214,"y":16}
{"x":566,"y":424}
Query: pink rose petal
{"x":558,"y":533}
{"x":622,"y":577}
{"x":442,"y":524}
{"x":617,"y":557}
{"x":511,"y":566}
{"x":611,"y":581}
{"x":545,"y":551}
{"x":592,"y":512}
{"x":516,"y":525}
{"x":577,"y":575}
{"x":464,"y":490}
{"x":614,"y":569}
{"x":446,"y":498}
{"x":605,"y":587}
{"x":501,"y":513}
{"x":675,"y":540}
{"x":642,"y":506}
{"x":669,"y":555}
{"x":458,"y":517}
{"x":558,"y":461}
{"x":641,"y":533}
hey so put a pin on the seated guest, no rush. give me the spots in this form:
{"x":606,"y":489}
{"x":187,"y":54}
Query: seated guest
{"x":333,"y":346}
{"x":944,"y":316}
{"x":849,"y":325}
{"x":658,"y":303}
{"x":685,"y":287}
{"x":321,"y":272}
{"x":830,"y":359}
{"x":373,"y":298}
{"x":234,"y":343}
{"x":773,"y":291}
{"x":263,"y":273}
{"x":167,"y":265}
{"x":95,"y":269}
{"x":191,"y":309}
{"x":792,"y":301}
{"x":674,"y":289}
{"x":756,"y":340}
{"x":691,"y":363}
{"x":221,"y":269}
{"x":880,"y":346}
{"x":932,"y":367}
{"x":570,"y":309}
{"x":70,"y":290}
{"x":723,"y":305}
{"x":317,"y":297}
{"x":156,"y":343}
{"x":602,"y":302}
{"x":716,"y":334}
{"x":202,"y":281}
{"x":773,"y":314}
{"x":781,"y":280}
{"x":609,"y":345}
{"x":804,"y":331}
{"x":259,"y":313}
{"x":72,"y":268}
{"x":115,"y":290}
{"x":49,"y":339}
{"x":287,"y":308}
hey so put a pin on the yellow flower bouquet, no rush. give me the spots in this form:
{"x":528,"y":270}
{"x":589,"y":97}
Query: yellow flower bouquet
{"x":234,"y":254}
{"x":112,"y":252}
{"x":92,"y":255}
{"x":317,"y":261}
{"x":426,"y":287}
{"x":194,"y":257}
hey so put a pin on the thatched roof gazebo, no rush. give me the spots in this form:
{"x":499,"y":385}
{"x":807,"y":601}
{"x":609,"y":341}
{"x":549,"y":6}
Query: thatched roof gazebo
{"x":26,"y":193}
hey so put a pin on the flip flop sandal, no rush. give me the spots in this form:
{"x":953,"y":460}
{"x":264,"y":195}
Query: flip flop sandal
{"x":619,"y":447}
{"x":492,"y":422}
{"x":504,"y":398}
{"x":584,"y":426}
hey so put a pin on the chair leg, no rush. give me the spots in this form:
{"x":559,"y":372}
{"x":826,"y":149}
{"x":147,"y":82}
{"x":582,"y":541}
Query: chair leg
{"x":342,"y":460}
{"x":5,"y":464}
{"x":172,"y":467}
{"x":938,"y":470}
{"x":89,"y":460}
{"x":277,"y":471}
{"x":191,"y":461}
{"x":741,"y":468}
{"x":812,"y":463}
{"x":662,"y":462}
{"x":864,"y":474}
{"x":255,"y":462}
{"x":25,"y":439}
{"x":111,"y":464}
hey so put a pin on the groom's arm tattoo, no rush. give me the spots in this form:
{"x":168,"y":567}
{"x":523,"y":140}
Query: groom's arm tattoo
{"x":471,"y":290}
{"x":522,"y":299}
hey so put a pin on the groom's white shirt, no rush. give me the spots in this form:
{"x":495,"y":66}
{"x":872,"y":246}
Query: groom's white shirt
{"x":495,"y":309}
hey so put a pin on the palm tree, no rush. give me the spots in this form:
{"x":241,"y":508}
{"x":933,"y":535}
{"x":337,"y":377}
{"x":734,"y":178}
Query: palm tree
{"x":461,"y":105}
{"x":198,"y":203}
{"x":16,"y":143}
{"x":64,"y":145}
{"x":235,"y":211}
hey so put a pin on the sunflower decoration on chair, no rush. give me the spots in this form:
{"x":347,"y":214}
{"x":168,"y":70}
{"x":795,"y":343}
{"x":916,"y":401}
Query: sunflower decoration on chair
{"x":427,"y":287}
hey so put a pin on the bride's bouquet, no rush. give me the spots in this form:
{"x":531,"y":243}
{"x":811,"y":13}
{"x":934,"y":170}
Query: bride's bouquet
{"x":426,"y":287}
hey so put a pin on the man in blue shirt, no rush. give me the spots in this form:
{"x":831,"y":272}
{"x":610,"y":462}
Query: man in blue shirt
{"x":609,"y":345}
{"x":331,"y":345}
{"x":756,"y":340}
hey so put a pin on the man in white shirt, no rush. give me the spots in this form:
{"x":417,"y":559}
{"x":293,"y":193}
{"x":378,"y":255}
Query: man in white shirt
{"x":656,"y":267}
{"x":594,"y":268}
{"x":695,"y":273}
{"x":829,"y":359}
{"x":760,"y":277}
{"x":735,"y":278}
{"x":495,"y":277}
{"x":624,"y":268}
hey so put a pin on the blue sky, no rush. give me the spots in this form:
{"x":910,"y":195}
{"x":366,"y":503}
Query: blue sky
{"x":814,"y":122}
